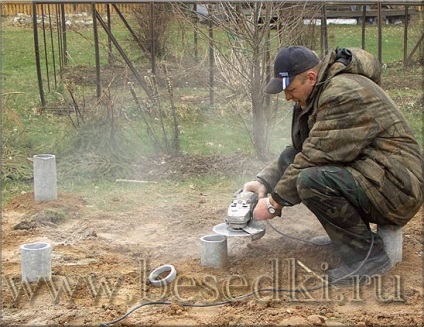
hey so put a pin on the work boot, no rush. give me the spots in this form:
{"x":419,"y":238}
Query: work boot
{"x":345,"y":274}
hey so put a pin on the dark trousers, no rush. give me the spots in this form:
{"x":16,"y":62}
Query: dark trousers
{"x":340,"y":205}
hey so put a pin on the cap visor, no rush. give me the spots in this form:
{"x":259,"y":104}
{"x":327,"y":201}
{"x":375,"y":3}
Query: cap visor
{"x":274,"y":86}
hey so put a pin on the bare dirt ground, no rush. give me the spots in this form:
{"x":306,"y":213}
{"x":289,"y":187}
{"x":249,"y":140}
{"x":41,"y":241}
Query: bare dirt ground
{"x":101,"y":259}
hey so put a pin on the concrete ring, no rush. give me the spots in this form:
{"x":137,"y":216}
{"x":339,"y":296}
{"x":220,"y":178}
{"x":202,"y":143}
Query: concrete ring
{"x":164,"y":281}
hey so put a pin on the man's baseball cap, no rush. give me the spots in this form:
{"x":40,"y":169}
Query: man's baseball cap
{"x":290,"y":61}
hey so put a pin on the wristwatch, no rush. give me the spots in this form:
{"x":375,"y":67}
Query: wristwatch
{"x":271,"y":209}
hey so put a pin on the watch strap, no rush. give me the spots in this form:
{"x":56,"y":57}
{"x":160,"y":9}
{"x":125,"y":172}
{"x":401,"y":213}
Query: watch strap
{"x":271,"y":209}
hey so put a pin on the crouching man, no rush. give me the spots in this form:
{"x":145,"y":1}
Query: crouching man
{"x":354,"y":159}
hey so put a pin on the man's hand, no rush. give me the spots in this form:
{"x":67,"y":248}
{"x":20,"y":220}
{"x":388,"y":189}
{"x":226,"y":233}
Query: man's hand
{"x":261,"y":210}
{"x":256,"y":187}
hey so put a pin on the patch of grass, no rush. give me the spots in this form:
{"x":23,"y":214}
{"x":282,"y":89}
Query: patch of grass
{"x":218,"y":135}
{"x":12,"y":188}
{"x":118,"y":196}
{"x":50,"y":216}
{"x":19,"y":77}
{"x":410,"y":103}
{"x":392,"y":39}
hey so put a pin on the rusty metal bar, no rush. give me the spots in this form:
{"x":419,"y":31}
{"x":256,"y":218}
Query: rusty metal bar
{"x":96,"y":50}
{"x":211,"y":63}
{"x":37,"y":53}
{"x":129,"y":28}
{"x":152,"y":37}
{"x":59,"y":37}
{"x":415,"y":48}
{"x":195,"y":33}
{"x":380,"y":34}
{"x":64,"y":40}
{"x":405,"y":38}
{"x":324,"y":40}
{"x":52,"y":45}
{"x":364,"y":21}
{"x":45,"y":47}
{"x":122,"y":53}
{"x":109,"y":42}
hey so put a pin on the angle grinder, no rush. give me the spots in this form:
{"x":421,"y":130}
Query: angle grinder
{"x":239,"y":221}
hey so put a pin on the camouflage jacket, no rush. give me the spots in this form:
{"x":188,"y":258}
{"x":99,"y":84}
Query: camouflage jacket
{"x":351,"y":122}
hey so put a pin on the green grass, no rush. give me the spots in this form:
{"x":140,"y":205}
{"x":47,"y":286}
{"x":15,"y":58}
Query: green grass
{"x":409,"y":102}
{"x":392,"y":39}
{"x":18,"y":69}
{"x":214,"y":136}
{"x":114,"y":196}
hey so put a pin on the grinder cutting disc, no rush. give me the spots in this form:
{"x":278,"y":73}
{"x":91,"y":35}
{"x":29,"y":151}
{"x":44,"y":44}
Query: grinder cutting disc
{"x":253,"y":229}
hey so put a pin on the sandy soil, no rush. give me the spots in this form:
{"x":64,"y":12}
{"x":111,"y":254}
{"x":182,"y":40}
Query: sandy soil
{"x":101,"y":260}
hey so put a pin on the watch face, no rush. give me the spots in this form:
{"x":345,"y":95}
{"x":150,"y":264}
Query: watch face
{"x":271,"y":209}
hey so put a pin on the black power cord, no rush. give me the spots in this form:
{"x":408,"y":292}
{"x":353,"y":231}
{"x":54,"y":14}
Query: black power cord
{"x":244,"y":296}
{"x":293,"y":237}
{"x":203,"y":305}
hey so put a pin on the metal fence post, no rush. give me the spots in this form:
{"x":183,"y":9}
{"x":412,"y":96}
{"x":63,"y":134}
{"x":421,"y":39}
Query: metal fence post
{"x":96,"y":50}
{"x":37,"y":53}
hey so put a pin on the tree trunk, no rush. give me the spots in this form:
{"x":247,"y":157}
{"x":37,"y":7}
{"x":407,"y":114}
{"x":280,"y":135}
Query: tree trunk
{"x":260,"y":131}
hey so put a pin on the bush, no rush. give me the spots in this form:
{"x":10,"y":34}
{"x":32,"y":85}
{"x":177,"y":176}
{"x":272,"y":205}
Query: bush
{"x":162,"y":13}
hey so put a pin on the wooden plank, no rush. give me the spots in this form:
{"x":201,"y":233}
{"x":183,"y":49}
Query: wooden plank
{"x":370,"y":13}
{"x":12,"y":9}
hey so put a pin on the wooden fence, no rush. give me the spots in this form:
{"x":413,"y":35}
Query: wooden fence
{"x":12,"y":9}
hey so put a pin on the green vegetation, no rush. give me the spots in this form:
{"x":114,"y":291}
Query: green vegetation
{"x":392,"y":39}
{"x":113,"y":130}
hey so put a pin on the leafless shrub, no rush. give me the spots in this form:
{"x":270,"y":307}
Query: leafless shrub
{"x":153,"y":21}
{"x":254,"y":32}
